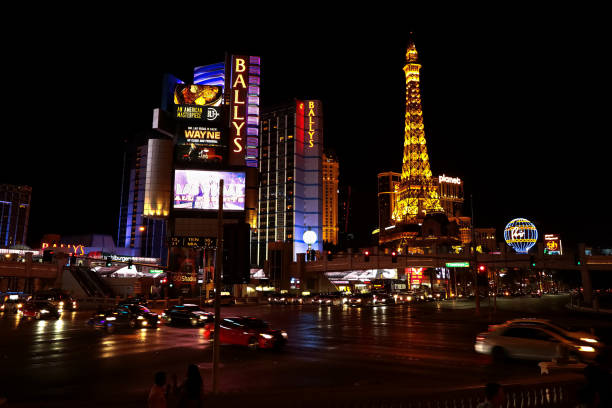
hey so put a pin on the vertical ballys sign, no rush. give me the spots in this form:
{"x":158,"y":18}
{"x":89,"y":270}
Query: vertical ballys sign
{"x":238,"y":109}
{"x":309,"y":122}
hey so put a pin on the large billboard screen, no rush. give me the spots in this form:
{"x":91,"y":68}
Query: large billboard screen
{"x":199,"y":190}
{"x":200,"y":144}
{"x":200,"y":95}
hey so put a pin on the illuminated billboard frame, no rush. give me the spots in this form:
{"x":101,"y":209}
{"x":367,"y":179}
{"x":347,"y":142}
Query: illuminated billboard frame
{"x":198,"y":190}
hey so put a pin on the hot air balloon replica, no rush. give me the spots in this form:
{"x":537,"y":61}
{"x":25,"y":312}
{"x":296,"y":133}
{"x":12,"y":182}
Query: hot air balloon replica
{"x":521,"y":235}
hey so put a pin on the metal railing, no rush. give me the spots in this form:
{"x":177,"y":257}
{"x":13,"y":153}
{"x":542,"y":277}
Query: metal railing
{"x":516,"y":396}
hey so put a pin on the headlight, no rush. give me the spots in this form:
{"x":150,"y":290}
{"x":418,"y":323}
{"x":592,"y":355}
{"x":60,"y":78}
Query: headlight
{"x":409,"y":298}
{"x":358,"y":300}
{"x":284,"y":335}
{"x":266,"y":336}
{"x":589,"y":340}
{"x":202,"y":317}
{"x":44,"y":311}
{"x":588,"y":349}
{"x":144,"y":323}
{"x":61,"y":303}
{"x":19,"y":305}
{"x":110,"y":319}
{"x":140,"y":318}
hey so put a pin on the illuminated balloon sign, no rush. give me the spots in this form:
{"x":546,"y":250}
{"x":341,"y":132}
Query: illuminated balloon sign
{"x":521,"y":235}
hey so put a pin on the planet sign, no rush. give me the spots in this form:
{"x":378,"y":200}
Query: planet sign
{"x":521,"y":235}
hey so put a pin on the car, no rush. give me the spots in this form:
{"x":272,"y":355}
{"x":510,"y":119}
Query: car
{"x":439,"y":295}
{"x":360,"y":299}
{"x":187,"y":314}
{"x":285,"y":299}
{"x":124,"y":317}
{"x":225,"y":300}
{"x":331,"y":299}
{"x":553,"y":327}
{"x":531,"y":343}
{"x":247,"y":331}
{"x":40,"y":309}
{"x":136,"y":300}
{"x":59,"y":298}
{"x":11,"y":306}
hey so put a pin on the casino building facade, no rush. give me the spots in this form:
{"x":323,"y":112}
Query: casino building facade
{"x":205,"y":130}
{"x":14,"y":214}
{"x":290,"y":200}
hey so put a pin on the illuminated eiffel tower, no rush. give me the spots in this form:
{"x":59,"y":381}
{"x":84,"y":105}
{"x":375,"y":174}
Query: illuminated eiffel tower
{"x":417,"y":193}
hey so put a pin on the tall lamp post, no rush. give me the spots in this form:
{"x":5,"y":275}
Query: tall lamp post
{"x":309,"y":237}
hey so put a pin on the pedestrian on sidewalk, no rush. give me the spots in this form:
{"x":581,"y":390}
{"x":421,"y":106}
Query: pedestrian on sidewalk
{"x":494,"y":396}
{"x":191,"y":391}
{"x":158,"y":396}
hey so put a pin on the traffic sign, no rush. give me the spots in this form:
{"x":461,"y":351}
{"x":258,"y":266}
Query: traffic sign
{"x":457,"y":264}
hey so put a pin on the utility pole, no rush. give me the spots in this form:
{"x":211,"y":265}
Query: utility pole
{"x":217,"y":278}
{"x":474,"y":259}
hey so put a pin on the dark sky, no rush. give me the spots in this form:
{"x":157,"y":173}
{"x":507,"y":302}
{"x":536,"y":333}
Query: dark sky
{"x":515,"y":104}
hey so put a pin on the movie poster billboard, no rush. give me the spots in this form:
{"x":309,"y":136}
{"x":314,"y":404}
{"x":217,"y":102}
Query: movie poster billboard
{"x":199,"y":95}
{"x":200,"y":144}
{"x":199,"y":190}
{"x":184,"y":263}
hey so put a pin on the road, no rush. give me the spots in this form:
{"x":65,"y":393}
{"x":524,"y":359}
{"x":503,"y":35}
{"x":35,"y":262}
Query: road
{"x":412,"y":348}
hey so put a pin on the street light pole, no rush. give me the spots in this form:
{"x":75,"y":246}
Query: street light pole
{"x":217,"y":277}
{"x":474,"y":259}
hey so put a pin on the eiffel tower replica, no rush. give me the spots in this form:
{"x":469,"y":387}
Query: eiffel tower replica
{"x":416,"y":196}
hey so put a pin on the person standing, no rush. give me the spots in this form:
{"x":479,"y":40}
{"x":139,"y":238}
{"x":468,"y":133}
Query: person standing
{"x":158,"y":394}
{"x":191,"y":391}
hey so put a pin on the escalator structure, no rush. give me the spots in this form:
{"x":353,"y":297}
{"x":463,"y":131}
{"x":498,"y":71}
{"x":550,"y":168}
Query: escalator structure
{"x":90,"y":282}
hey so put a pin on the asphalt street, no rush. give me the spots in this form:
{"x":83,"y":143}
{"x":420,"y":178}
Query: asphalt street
{"x":408,"y":348}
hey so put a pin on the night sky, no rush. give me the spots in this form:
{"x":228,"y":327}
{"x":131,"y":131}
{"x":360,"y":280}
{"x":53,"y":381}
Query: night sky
{"x":515,"y":106}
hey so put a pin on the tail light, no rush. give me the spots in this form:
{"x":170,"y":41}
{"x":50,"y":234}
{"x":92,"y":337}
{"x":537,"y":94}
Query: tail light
{"x":480,"y":338}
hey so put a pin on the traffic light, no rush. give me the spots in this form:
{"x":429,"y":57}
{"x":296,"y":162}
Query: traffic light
{"x":109,"y":261}
{"x":236,"y":254}
{"x":130,"y":263}
{"x":532,"y":261}
{"x":394,"y":257}
{"x":578,"y":260}
{"x":366,"y":256}
{"x":482,"y":268}
{"x":329,"y":255}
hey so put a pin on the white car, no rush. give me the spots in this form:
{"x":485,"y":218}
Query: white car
{"x":531,"y":343}
{"x":550,"y":326}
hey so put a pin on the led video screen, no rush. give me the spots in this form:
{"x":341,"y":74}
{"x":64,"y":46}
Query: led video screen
{"x":201,"y":95}
{"x":199,"y":190}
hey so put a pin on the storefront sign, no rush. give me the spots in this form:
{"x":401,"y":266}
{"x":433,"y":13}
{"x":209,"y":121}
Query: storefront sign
{"x":552,"y":244}
{"x":77,"y":249}
{"x":446,"y":179}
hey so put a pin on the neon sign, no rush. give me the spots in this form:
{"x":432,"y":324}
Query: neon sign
{"x":446,"y":179}
{"x":238,"y":109}
{"x":311,"y":130}
{"x":77,"y":249}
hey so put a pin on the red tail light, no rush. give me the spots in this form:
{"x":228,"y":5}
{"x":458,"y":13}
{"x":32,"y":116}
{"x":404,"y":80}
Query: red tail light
{"x":480,"y":338}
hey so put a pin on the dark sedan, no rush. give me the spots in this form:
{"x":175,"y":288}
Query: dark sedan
{"x":188,"y":314}
{"x":125,"y":317}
